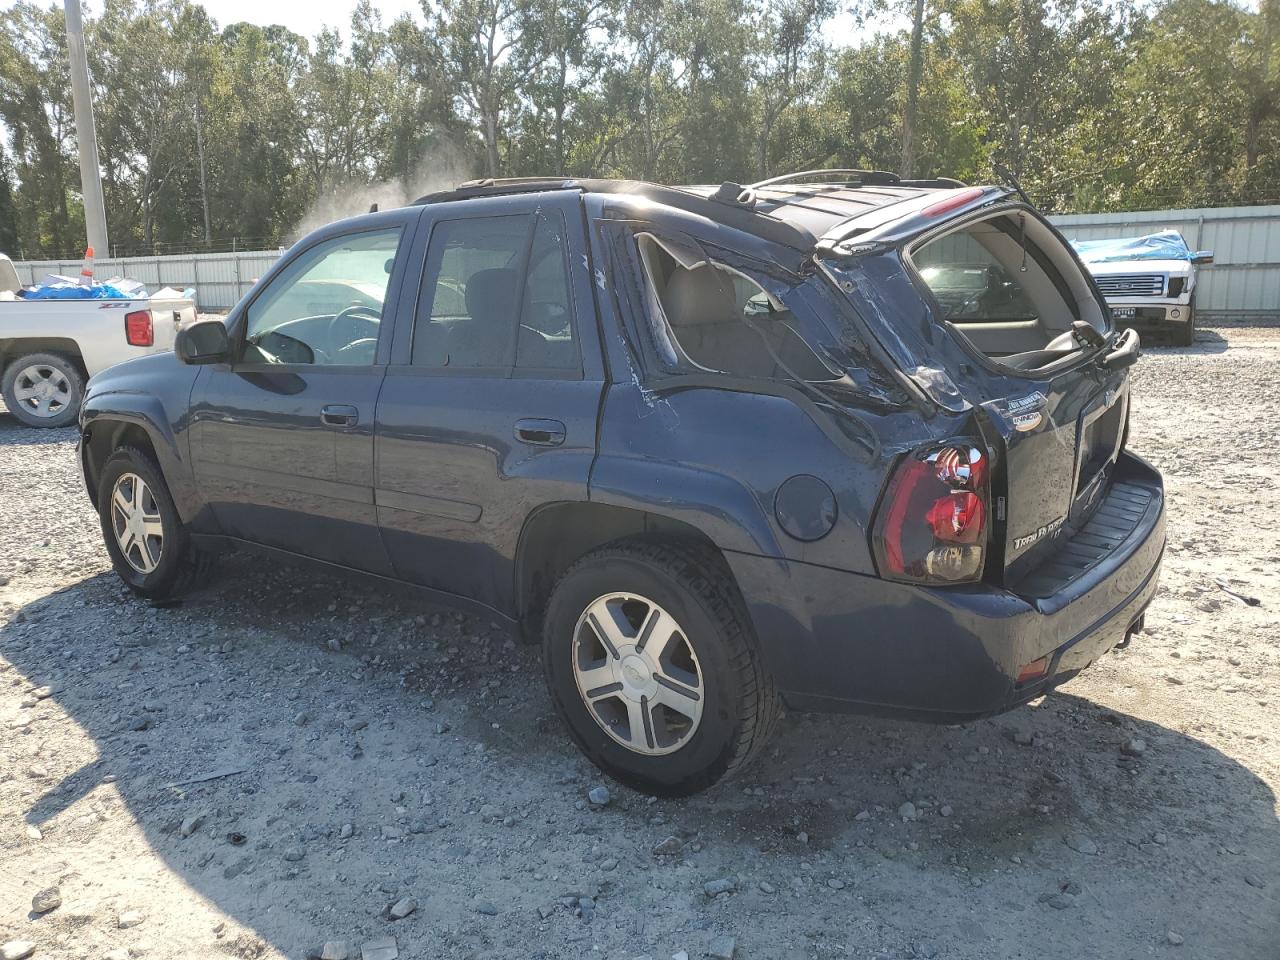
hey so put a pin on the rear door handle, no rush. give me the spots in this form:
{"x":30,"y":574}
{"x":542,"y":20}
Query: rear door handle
{"x":339,"y":415}
{"x":542,"y":433}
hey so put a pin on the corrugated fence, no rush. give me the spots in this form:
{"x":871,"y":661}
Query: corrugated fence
{"x":1243,"y":282}
{"x":220,"y":279}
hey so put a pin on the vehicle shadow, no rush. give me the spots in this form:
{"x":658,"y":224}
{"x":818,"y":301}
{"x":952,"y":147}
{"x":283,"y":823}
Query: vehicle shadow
{"x":1207,"y":341}
{"x":363,"y":748}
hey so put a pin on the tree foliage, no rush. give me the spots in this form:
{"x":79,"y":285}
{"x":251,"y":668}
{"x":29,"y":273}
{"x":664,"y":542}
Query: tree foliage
{"x":210,"y":135}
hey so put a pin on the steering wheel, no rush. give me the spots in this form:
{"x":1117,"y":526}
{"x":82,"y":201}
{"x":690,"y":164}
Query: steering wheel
{"x":355,"y":311}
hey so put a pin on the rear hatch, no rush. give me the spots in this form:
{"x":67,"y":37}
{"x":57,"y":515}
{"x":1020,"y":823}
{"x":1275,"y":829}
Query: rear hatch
{"x":1032,"y":356}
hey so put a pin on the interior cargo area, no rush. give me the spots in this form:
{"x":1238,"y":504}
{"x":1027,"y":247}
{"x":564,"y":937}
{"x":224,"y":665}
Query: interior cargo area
{"x":1011,"y":289}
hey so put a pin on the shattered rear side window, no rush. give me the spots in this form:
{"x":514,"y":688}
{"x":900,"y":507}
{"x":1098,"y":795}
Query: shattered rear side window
{"x":709,"y":316}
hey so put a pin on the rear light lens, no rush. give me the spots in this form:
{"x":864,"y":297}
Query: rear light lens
{"x":932,"y":523}
{"x":138,"y":331}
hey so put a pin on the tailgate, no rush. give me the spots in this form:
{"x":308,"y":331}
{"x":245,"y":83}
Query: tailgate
{"x":168,"y":317}
{"x":1061,"y":440}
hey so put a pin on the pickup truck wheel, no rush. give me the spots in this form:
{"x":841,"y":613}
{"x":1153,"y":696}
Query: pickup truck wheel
{"x":43,"y":390}
{"x":149,"y":544}
{"x":652,"y":664}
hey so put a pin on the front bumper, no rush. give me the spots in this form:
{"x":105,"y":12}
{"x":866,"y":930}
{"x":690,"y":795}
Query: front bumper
{"x":846,"y":642}
{"x":1150,"y":316}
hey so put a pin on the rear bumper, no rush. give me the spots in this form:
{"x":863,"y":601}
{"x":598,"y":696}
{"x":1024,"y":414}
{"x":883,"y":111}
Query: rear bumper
{"x":845,"y":642}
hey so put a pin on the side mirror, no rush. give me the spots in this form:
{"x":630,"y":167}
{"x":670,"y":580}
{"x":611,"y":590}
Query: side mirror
{"x":203,"y":342}
{"x":1202,"y":256}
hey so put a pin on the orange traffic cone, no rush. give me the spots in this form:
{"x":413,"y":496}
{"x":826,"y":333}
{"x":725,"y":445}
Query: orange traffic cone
{"x":86,"y":271}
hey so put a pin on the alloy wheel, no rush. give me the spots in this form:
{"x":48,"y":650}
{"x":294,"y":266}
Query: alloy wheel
{"x":638,"y":674}
{"x":43,"y":390}
{"x":136,"y":522}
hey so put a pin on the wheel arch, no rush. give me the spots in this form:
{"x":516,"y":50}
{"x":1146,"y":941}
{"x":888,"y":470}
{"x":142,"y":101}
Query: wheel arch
{"x":14,"y":348}
{"x":557,"y":534}
{"x":130,"y":422}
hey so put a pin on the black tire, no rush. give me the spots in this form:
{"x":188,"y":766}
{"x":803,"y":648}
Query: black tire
{"x":65,"y":405}
{"x":695,"y":586}
{"x":1184,"y":335}
{"x":179,"y":565}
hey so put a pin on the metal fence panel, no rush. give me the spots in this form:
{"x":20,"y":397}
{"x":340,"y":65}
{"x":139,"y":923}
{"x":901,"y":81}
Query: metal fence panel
{"x":1244,"y":280}
{"x":219,"y":279}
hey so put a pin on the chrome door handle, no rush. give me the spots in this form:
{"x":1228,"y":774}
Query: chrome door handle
{"x":339,"y":415}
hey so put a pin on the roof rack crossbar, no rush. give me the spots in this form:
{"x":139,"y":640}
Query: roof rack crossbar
{"x":877,"y":177}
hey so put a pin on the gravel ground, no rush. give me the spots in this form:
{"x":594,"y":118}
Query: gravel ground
{"x":368,"y":750}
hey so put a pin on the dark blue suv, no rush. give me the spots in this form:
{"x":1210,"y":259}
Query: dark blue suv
{"x":835,"y":440}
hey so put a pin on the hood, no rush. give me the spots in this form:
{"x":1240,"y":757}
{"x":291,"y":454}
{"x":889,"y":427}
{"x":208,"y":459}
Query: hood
{"x":1174,"y":268}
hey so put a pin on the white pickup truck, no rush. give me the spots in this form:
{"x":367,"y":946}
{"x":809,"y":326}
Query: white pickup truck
{"x":50,"y":348}
{"x":1149,"y":282}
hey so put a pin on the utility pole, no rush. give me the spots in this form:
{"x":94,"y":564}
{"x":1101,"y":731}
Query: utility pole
{"x":95,"y":211}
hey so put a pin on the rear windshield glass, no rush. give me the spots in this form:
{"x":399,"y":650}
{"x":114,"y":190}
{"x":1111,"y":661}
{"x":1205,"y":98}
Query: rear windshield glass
{"x":981,"y":275}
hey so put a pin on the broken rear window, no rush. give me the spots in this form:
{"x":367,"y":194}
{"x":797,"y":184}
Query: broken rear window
{"x":711,"y":316}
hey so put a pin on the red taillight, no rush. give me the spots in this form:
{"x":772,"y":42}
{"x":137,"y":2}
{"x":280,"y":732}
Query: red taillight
{"x":138,"y":331}
{"x":953,"y":202}
{"x":932,"y":525}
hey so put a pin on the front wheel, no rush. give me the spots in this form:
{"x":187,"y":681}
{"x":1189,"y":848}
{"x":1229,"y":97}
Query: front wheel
{"x":43,"y":390}
{"x":652,"y":664}
{"x":149,"y":545}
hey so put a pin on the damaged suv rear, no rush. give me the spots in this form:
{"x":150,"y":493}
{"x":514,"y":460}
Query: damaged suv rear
{"x":837,"y":441}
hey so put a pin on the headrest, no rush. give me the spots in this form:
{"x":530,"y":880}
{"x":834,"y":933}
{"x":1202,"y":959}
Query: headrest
{"x":491,"y":294}
{"x":703,"y":295}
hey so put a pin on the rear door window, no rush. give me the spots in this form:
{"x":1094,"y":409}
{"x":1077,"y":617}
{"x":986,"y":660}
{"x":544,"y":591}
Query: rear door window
{"x":495,"y":296}
{"x":711,"y":317}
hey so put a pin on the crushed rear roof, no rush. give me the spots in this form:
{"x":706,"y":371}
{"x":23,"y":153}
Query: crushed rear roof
{"x":815,"y":208}
{"x":797,"y":214}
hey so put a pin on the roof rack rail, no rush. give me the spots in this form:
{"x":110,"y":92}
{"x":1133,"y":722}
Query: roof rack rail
{"x":949,"y":183}
{"x":490,"y":186}
{"x":882,"y":178}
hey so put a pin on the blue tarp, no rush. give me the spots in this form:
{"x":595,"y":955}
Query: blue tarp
{"x":1165,"y":245}
{"x":74,"y":291}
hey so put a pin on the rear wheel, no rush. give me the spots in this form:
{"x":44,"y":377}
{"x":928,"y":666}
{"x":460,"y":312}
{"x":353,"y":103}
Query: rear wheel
{"x":43,"y":390}
{"x":652,"y":664}
{"x":149,"y":545}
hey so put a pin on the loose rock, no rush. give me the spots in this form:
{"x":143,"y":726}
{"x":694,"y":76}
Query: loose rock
{"x":130,"y":918}
{"x":1134,"y":747}
{"x":335,"y":950}
{"x":722,"y":948}
{"x":17,"y":950}
{"x":382,"y":949}
{"x":599,"y":796}
{"x":1080,"y":843}
{"x":50,"y":898}
{"x":908,"y":811}
{"x":714,"y":888}
{"x":402,"y":908}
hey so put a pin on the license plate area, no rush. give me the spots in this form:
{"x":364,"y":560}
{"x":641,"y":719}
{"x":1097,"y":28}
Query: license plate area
{"x":1101,"y":431}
